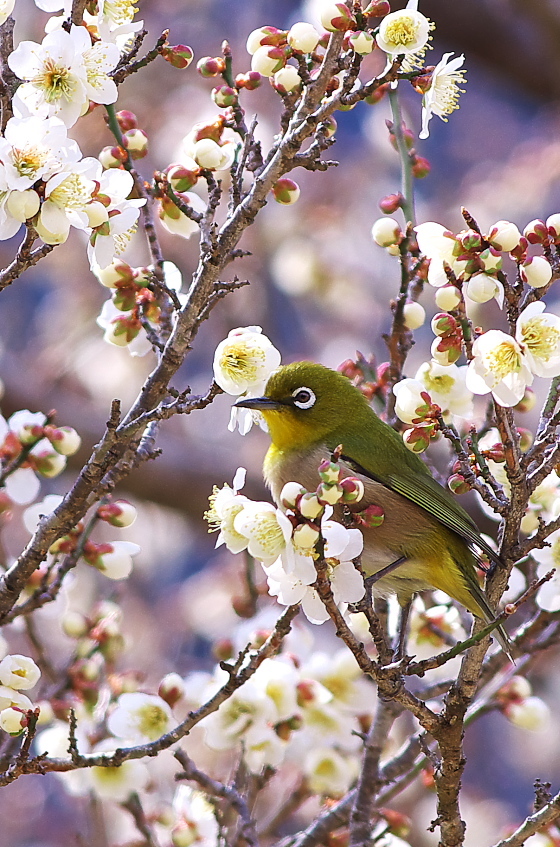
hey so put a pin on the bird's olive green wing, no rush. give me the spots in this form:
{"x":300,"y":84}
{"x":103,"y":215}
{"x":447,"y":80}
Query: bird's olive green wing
{"x":423,"y":490}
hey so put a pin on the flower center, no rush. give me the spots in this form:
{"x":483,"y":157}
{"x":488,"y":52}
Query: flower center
{"x":73,"y":193}
{"x":503,"y":360}
{"x":443,"y":383}
{"x":28,"y":160}
{"x":152,"y":721}
{"x":446,"y":91}
{"x":120,"y":11}
{"x":267,"y":532}
{"x":402,"y":32}
{"x":540,"y":339}
{"x":122,"y":239}
{"x":57,"y":81}
{"x":241,"y":361}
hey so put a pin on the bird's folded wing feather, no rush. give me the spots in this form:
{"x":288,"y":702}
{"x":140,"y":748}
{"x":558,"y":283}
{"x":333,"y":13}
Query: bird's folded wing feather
{"x":423,"y":490}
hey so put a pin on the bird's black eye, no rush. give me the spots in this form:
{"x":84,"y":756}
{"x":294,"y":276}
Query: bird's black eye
{"x":304,"y":398}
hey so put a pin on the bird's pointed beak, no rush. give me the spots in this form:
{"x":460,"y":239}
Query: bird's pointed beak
{"x":260,"y":404}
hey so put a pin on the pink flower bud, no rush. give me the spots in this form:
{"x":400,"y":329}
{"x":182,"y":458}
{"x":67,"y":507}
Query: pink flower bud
{"x":536,"y":232}
{"x":391,"y":203}
{"x":471,"y":240}
{"x":336,"y":16}
{"x":119,"y":513}
{"x":457,"y":484}
{"x":181,"y":178}
{"x":418,"y":438}
{"x":171,"y":689}
{"x":112,"y":157}
{"x":249,"y":81}
{"x":224,"y":96}
{"x":286,"y":191}
{"x":353,"y":489}
{"x":126,"y":120}
{"x":180,"y":56}
{"x":553,"y":227}
{"x":211,"y":66}
{"x":443,"y":323}
{"x":377,"y":9}
{"x":421,"y":167}
{"x":371,"y":517}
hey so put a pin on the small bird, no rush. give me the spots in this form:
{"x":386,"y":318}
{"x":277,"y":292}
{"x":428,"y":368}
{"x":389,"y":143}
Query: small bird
{"x":426,"y":540}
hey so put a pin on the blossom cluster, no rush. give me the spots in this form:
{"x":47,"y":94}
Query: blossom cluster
{"x":32,"y":447}
{"x":17,"y":673}
{"x":284,"y":540}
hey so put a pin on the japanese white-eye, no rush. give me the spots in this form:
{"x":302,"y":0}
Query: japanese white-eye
{"x":428,"y":537}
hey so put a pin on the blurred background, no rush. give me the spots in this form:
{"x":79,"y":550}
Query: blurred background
{"x":320,"y":288}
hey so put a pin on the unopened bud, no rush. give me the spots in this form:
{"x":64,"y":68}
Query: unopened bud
{"x":445,"y":354}
{"x":182,"y":178}
{"x":482,"y":287}
{"x":336,"y":16}
{"x":171,"y":689}
{"x":418,"y":438}
{"x":471,"y":240}
{"x":136,"y":142}
{"x":329,"y":494}
{"x":361,"y":42}
{"x":310,"y":507}
{"x":377,"y":9}
{"x":525,"y":438}
{"x":303,"y":38}
{"x":211,"y":66}
{"x":504,"y":236}
{"x":457,"y":484}
{"x":265,"y":35}
{"x":64,"y":439}
{"x":180,"y":56}
{"x":553,"y":227}
{"x":527,"y":402}
{"x":290,"y":494}
{"x":448,"y":297}
{"x":112,"y":157}
{"x":285,"y":191}
{"x":119,"y":513}
{"x":371,"y":517}
{"x":414,"y":315}
{"x":126,"y":120}
{"x":268,"y":60}
{"x":421,"y":167}
{"x":443,"y":323}
{"x":391,"y":203}
{"x":305,"y":536}
{"x":249,"y":81}
{"x":329,"y":472}
{"x":386,"y":231}
{"x":353,"y":489}
{"x":224,"y":96}
{"x":491,"y":260}
{"x":536,"y":232}
{"x":536,"y":271}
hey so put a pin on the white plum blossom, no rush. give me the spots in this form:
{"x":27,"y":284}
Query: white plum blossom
{"x":499,"y":366}
{"x":403,"y":32}
{"x":109,"y":316}
{"x":114,"y":20}
{"x":291,"y":577}
{"x":328,"y":772}
{"x":12,"y":698}
{"x":99,"y":59}
{"x":53,"y":75}
{"x":483,"y":287}
{"x":140,"y":717}
{"x":19,"y":672}
{"x":248,"y":708}
{"x":439,"y":245}
{"x":447,"y":387}
{"x":111,"y":236}
{"x":548,"y":596}
{"x":6,"y":9}
{"x":195,"y":816}
{"x":442,"y":96}
{"x":225,"y":504}
{"x":341,"y":676}
{"x":46,"y":506}
{"x":278,"y":678}
{"x":118,"y":783}
{"x":67,"y":197}
{"x":35,"y":148}
{"x":267,"y":529}
{"x":174,"y":220}
{"x":539,"y":337}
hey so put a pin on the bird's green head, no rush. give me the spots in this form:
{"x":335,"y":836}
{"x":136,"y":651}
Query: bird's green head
{"x":304,"y":402}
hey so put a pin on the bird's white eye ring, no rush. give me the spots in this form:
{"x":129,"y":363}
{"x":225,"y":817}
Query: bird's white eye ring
{"x":304,"y":398}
